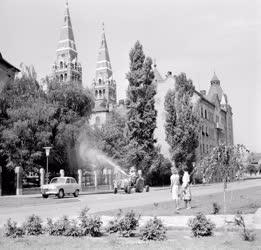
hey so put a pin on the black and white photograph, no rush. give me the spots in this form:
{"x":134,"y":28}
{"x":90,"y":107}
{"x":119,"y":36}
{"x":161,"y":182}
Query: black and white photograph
{"x":130,"y":124}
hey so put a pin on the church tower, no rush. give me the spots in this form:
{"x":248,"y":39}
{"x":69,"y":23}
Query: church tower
{"x":104,"y":86}
{"x":66,"y":67}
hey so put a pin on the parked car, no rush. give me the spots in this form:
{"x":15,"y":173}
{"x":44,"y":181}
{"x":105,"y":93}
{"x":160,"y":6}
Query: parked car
{"x":60,"y":186}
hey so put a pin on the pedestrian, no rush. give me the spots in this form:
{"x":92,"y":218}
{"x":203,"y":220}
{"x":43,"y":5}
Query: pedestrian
{"x":186,"y":192}
{"x":175,"y":186}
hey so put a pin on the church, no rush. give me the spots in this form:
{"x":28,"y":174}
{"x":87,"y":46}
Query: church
{"x":215,"y":110}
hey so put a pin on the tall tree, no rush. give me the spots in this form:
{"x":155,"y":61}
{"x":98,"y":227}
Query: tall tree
{"x":182,"y":122}
{"x":141,"y":113}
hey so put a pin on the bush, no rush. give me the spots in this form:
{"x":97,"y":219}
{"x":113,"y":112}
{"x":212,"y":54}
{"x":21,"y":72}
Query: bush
{"x":90,"y":225}
{"x":125,"y":225}
{"x":153,"y":230}
{"x":33,"y":225}
{"x":58,"y":228}
{"x":246,"y":234}
{"x":12,"y":230}
{"x":201,"y":226}
{"x":216,"y":208}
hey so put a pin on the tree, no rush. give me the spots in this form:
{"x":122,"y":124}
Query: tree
{"x":224,"y":163}
{"x":141,"y":113}
{"x":112,"y":138}
{"x":32,"y":119}
{"x":182,"y":122}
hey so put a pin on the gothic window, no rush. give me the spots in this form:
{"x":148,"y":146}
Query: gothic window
{"x":65,"y":77}
{"x":201,"y":111}
{"x":96,"y":93}
{"x":61,"y":78}
{"x":61,"y":65}
{"x":206,"y":116}
{"x":100,"y":81}
{"x":103,"y":92}
{"x":100,"y":93}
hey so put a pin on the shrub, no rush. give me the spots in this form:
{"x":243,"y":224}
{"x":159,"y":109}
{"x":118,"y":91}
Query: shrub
{"x":246,"y":234}
{"x":90,"y":225}
{"x":125,"y":225}
{"x":216,"y":208}
{"x":33,"y":225}
{"x":12,"y":230}
{"x":128,"y":224}
{"x":59,"y":227}
{"x":201,"y":226}
{"x":153,"y":230}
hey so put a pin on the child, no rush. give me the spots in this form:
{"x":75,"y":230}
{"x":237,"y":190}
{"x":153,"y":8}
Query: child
{"x":186,"y":188}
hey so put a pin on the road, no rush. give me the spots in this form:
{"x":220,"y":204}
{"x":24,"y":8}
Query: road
{"x":18,"y":208}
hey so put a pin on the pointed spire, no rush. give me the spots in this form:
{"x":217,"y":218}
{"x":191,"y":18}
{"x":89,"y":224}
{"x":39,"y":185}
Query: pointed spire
{"x":103,"y":66}
{"x":66,"y":41}
{"x":215,"y":78}
{"x":157,"y":75}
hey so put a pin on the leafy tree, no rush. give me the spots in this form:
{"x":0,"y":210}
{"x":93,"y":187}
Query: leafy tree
{"x":141,"y":114}
{"x":32,"y":119}
{"x":224,"y":163}
{"x":182,"y":122}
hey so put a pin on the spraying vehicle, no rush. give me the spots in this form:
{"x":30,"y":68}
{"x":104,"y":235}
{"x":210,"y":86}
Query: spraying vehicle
{"x":127,"y":182}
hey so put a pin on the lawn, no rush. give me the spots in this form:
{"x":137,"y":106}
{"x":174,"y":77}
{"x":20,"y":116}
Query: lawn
{"x":176,"y":240}
{"x":246,"y":200}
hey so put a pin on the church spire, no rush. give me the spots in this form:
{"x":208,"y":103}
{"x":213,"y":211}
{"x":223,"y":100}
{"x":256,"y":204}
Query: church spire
{"x":66,"y":41}
{"x":66,"y":67}
{"x":103,"y":66}
{"x":104,"y":86}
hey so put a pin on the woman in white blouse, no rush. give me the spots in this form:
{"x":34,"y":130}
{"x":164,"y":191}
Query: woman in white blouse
{"x":175,"y":186}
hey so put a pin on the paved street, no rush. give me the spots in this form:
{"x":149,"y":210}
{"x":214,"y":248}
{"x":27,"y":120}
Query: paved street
{"x":20,"y":207}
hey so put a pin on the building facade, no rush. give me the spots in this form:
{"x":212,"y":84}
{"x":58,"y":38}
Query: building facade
{"x":67,"y":67}
{"x":103,"y":86}
{"x":7,"y":72}
{"x":214,"y":110}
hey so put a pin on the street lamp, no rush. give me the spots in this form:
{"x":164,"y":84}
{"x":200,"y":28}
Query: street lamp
{"x":47,"y":152}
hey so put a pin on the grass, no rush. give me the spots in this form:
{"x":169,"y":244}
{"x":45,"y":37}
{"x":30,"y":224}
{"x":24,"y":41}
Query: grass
{"x":246,"y":200}
{"x":176,"y":240}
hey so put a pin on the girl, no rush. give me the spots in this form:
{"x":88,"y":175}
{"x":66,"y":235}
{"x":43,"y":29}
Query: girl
{"x":186,"y":188}
{"x":174,"y":186}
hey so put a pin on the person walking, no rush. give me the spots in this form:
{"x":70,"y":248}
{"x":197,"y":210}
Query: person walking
{"x":175,"y":186}
{"x":186,"y":189}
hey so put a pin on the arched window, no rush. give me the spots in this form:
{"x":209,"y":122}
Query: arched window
{"x":61,"y":64}
{"x":103,"y":91}
{"x":100,"y":93}
{"x":206,"y":115}
{"x":100,"y":81}
{"x":96,"y":93}
{"x":61,"y":77}
{"x":65,"y":77}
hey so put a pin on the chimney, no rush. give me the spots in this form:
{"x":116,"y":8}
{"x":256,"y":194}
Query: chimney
{"x":203,"y":92}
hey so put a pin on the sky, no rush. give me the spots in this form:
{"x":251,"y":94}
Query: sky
{"x":197,"y":37}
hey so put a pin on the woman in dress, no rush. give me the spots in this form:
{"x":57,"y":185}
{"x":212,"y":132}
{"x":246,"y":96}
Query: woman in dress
{"x":186,"y":188}
{"x":174,"y":186}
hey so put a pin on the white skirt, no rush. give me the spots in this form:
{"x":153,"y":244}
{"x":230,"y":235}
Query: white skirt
{"x":175,"y":192}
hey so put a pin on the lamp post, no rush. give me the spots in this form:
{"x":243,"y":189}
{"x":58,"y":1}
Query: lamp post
{"x":47,"y":152}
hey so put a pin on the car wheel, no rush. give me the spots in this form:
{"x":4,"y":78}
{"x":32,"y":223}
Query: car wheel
{"x":45,"y":196}
{"x":61,"y":194}
{"x":115,"y":191}
{"x":76,"y":193}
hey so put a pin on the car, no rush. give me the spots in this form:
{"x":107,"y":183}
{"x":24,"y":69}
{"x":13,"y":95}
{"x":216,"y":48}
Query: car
{"x":60,"y":186}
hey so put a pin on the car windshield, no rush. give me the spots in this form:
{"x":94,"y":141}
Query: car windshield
{"x":57,"y":180}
